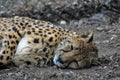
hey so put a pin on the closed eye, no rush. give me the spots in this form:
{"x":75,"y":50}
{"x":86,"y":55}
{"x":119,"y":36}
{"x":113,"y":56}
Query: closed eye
{"x":67,"y":48}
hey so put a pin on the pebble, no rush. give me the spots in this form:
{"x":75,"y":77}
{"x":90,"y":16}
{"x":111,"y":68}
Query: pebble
{"x":18,"y":74}
{"x":62,"y":22}
{"x":97,"y":74}
{"x":26,"y":77}
{"x":110,"y":71}
{"x":67,"y":73}
{"x":10,"y":74}
{"x":116,"y":65}
{"x":99,"y":29}
{"x":113,"y":36}
{"x":105,"y":67}
{"x":106,"y":41}
{"x":34,"y":79}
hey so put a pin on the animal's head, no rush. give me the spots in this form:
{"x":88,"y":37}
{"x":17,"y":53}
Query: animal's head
{"x":73,"y":51}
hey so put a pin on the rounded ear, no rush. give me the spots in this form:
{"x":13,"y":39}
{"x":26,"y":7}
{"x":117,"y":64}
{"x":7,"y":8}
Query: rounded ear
{"x":88,"y":36}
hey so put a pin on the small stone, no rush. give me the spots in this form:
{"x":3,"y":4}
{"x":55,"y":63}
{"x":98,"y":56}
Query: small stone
{"x":67,"y":73}
{"x":116,"y":65}
{"x":97,"y":74}
{"x":2,"y":12}
{"x":10,"y":74}
{"x":55,"y":67}
{"x":72,"y":72}
{"x":49,"y":3}
{"x":26,"y":77}
{"x":75,"y":3}
{"x":62,"y":22}
{"x":110,"y":71}
{"x":18,"y":74}
{"x":113,"y":36}
{"x":100,"y":29}
{"x":34,"y":79}
{"x":106,"y":41}
{"x":111,"y":57}
{"x":105,"y":67}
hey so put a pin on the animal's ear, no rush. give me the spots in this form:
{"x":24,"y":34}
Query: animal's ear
{"x":88,"y":36}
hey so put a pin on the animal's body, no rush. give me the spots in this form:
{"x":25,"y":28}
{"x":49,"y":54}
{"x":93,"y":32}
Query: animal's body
{"x":27,"y":40}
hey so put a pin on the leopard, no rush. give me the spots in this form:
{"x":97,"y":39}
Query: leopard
{"x":32,"y":41}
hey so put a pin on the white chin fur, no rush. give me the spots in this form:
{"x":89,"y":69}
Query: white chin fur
{"x":55,"y":60}
{"x":57,"y":63}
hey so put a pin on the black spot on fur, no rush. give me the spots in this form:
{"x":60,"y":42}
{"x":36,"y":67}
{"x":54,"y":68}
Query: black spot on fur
{"x":11,"y":53}
{"x":7,"y":52}
{"x":12,"y":42}
{"x":16,"y":23}
{"x":29,"y":32}
{"x":54,"y":31}
{"x":29,"y":42}
{"x":14,"y":29}
{"x":28,"y":62}
{"x":36,"y":34}
{"x":8,"y":57}
{"x":14,"y":37}
{"x":44,"y":49}
{"x":11,"y":48}
{"x":9,"y":29}
{"x":47,"y":29}
{"x":21,"y":24}
{"x":36,"y":40}
{"x":23,"y":27}
{"x":29,"y":26}
{"x":1,"y":57}
{"x":8,"y":47}
{"x":44,"y":31}
{"x":58,"y":33}
{"x":19,"y":34}
{"x":50,"y":39}
{"x":5,"y":41}
{"x":55,"y":35}
{"x":40,"y":31}
{"x":17,"y":41}
{"x":26,"y":24}
{"x":45,"y":35}
{"x":36,"y":27}
{"x":56,"y":40}
{"x":49,"y":32}
{"x":41,"y":34}
{"x":33,"y":30}
{"x":50,"y":46}
{"x":3,"y":52}
{"x":10,"y":36}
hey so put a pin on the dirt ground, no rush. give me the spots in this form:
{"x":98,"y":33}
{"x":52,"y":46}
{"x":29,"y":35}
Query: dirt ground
{"x":107,"y":38}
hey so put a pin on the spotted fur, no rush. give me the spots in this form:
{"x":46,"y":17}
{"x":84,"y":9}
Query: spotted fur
{"x":26,"y":40}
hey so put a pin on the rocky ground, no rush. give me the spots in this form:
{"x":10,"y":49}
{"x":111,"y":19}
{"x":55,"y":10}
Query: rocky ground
{"x":105,"y":21}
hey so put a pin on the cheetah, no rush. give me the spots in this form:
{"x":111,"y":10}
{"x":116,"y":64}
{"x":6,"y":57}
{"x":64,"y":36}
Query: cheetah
{"x":31,"y":41}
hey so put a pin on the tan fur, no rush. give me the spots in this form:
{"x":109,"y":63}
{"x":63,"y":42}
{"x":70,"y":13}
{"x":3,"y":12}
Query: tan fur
{"x":27,"y":40}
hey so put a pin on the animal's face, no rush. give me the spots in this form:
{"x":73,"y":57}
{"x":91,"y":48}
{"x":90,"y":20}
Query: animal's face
{"x":76,"y":51}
